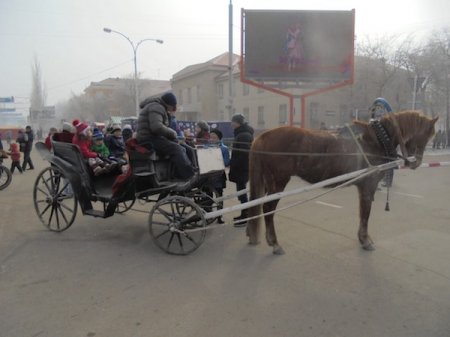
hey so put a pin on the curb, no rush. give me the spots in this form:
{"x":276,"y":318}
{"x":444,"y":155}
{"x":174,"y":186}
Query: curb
{"x":436,"y":164}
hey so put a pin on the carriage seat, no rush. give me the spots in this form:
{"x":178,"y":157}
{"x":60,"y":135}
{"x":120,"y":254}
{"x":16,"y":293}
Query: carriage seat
{"x":100,"y":186}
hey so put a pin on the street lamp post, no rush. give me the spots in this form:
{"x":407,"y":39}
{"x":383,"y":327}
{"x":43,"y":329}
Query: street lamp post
{"x":134,"y":47}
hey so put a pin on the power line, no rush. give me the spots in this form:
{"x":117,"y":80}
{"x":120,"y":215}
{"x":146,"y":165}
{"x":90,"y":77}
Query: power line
{"x":88,"y":76}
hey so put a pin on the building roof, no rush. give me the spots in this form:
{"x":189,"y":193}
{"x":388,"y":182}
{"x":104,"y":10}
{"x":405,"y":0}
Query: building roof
{"x":111,"y":84}
{"x":219,"y":62}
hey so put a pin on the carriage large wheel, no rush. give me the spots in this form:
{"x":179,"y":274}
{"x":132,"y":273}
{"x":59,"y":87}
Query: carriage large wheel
{"x":177,"y":225}
{"x":54,"y":200}
{"x":5,"y":177}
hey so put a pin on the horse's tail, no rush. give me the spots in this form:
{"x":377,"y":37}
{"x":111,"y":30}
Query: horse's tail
{"x":257,"y":189}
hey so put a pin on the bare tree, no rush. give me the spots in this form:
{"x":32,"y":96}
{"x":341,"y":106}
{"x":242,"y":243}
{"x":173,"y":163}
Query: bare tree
{"x":38,"y":92}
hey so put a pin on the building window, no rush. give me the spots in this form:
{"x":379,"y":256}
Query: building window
{"x":199,"y":96}
{"x":282,"y":115}
{"x":180,"y":97}
{"x":245,"y":89}
{"x":261,"y":121}
{"x":313,"y":115}
{"x":220,"y":90}
{"x":189,"y":96}
{"x":246,"y":114}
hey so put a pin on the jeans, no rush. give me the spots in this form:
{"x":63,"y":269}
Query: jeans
{"x":27,"y":160}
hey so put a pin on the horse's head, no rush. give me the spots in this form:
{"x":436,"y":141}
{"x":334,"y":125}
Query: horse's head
{"x":412,"y":132}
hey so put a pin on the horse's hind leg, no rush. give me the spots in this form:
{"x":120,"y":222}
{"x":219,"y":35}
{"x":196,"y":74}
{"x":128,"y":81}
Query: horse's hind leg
{"x":271,"y":236}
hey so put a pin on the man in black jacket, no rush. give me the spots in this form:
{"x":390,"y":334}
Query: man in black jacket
{"x":28,"y":140}
{"x":153,"y":131}
{"x":243,"y":138}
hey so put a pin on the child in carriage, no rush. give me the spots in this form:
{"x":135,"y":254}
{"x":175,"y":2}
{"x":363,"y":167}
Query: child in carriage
{"x":83,"y":138}
{"x":116,"y":145}
{"x":100,"y":147}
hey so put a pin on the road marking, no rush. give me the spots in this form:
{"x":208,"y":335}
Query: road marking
{"x":327,"y":204}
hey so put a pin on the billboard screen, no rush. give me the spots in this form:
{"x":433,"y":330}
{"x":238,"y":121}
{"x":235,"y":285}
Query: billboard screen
{"x":298,"y":45}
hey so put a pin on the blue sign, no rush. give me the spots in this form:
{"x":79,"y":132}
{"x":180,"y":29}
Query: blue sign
{"x":7,"y":99}
{"x":225,"y":127}
{"x":7,"y":110}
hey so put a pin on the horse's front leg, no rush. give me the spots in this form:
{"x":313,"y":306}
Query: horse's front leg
{"x":365,"y":205}
{"x":271,"y":236}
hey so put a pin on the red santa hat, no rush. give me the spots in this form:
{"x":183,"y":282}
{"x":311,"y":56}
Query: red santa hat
{"x":80,"y":126}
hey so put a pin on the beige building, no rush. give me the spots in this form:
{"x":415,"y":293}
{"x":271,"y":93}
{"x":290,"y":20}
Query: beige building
{"x":203,"y":93}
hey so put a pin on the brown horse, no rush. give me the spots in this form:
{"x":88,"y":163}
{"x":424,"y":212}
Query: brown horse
{"x":273,"y":160}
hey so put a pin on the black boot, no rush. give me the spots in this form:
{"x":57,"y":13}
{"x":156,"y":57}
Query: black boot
{"x":238,"y":222}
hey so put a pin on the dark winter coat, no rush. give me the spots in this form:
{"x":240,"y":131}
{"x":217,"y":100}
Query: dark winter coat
{"x":153,"y":121}
{"x":243,"y":138}
{"x":29,"y":140}
{"x":116,"y":146}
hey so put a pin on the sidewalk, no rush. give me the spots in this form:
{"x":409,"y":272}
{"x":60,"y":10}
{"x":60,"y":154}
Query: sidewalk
{"x":437,"y":152}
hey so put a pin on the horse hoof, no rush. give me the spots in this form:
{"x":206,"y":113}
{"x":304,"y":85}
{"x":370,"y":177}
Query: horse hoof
{"x":253,"y":243}
{"x":368,"y":246}
{"x":277,"y":250}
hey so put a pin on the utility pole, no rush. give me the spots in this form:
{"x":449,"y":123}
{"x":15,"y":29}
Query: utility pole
{"x":230,"y":60}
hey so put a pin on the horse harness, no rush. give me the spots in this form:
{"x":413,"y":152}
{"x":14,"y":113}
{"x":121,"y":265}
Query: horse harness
{"x":389,"y":151}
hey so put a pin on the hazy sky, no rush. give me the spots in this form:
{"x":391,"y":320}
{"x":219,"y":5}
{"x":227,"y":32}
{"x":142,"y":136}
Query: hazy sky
{"x":68,"y":40}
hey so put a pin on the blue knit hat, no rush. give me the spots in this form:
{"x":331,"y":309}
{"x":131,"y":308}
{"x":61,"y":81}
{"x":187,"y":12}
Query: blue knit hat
{"x":97,"y":134}
{"x":169,"y":99}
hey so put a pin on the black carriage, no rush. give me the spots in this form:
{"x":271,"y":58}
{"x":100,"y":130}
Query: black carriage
{"x":176,"y":221}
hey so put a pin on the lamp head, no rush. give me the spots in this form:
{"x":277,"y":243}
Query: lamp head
{"x":107,"y":30}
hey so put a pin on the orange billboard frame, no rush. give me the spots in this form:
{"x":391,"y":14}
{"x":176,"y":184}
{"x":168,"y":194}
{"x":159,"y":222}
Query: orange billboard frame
{"x":329,"y":83}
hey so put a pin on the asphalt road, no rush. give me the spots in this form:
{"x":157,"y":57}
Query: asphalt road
{"x":105,"y":277}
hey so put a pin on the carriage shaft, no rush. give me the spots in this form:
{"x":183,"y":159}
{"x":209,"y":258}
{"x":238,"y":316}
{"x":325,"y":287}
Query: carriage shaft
{"x":323,"y":183}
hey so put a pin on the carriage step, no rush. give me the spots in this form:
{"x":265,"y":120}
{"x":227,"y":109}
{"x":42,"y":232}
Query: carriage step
{"x":95,"y":213}
{"x":144,"y":174}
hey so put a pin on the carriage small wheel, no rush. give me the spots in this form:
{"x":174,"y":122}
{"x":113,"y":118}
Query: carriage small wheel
{"x":124,"y":206}
{"x":54,"y":200}
{"x":205,"y":198}
{"x":177,"y":225}
{"x":5,"y":177}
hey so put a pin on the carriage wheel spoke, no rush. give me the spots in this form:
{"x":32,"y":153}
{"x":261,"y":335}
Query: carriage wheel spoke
{"x":159,"y":223}
{"x":165,"y":214}
{"x":170,"y":240}
{"x":191,"y":239}
{"x":66,"y":207}
{"x":57,"y":216}
{"x":180,"y":241}
{"x":43,"y":192}
{"x":45,"y":210}
{"x":162,"y":233}
{"x":62,"y":213}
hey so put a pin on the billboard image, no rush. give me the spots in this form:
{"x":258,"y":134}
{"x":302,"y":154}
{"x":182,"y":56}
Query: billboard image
{"x":298,"y":45}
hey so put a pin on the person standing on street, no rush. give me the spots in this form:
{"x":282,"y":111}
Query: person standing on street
{"x":243,"y":138}
{"x":28,"y":140}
